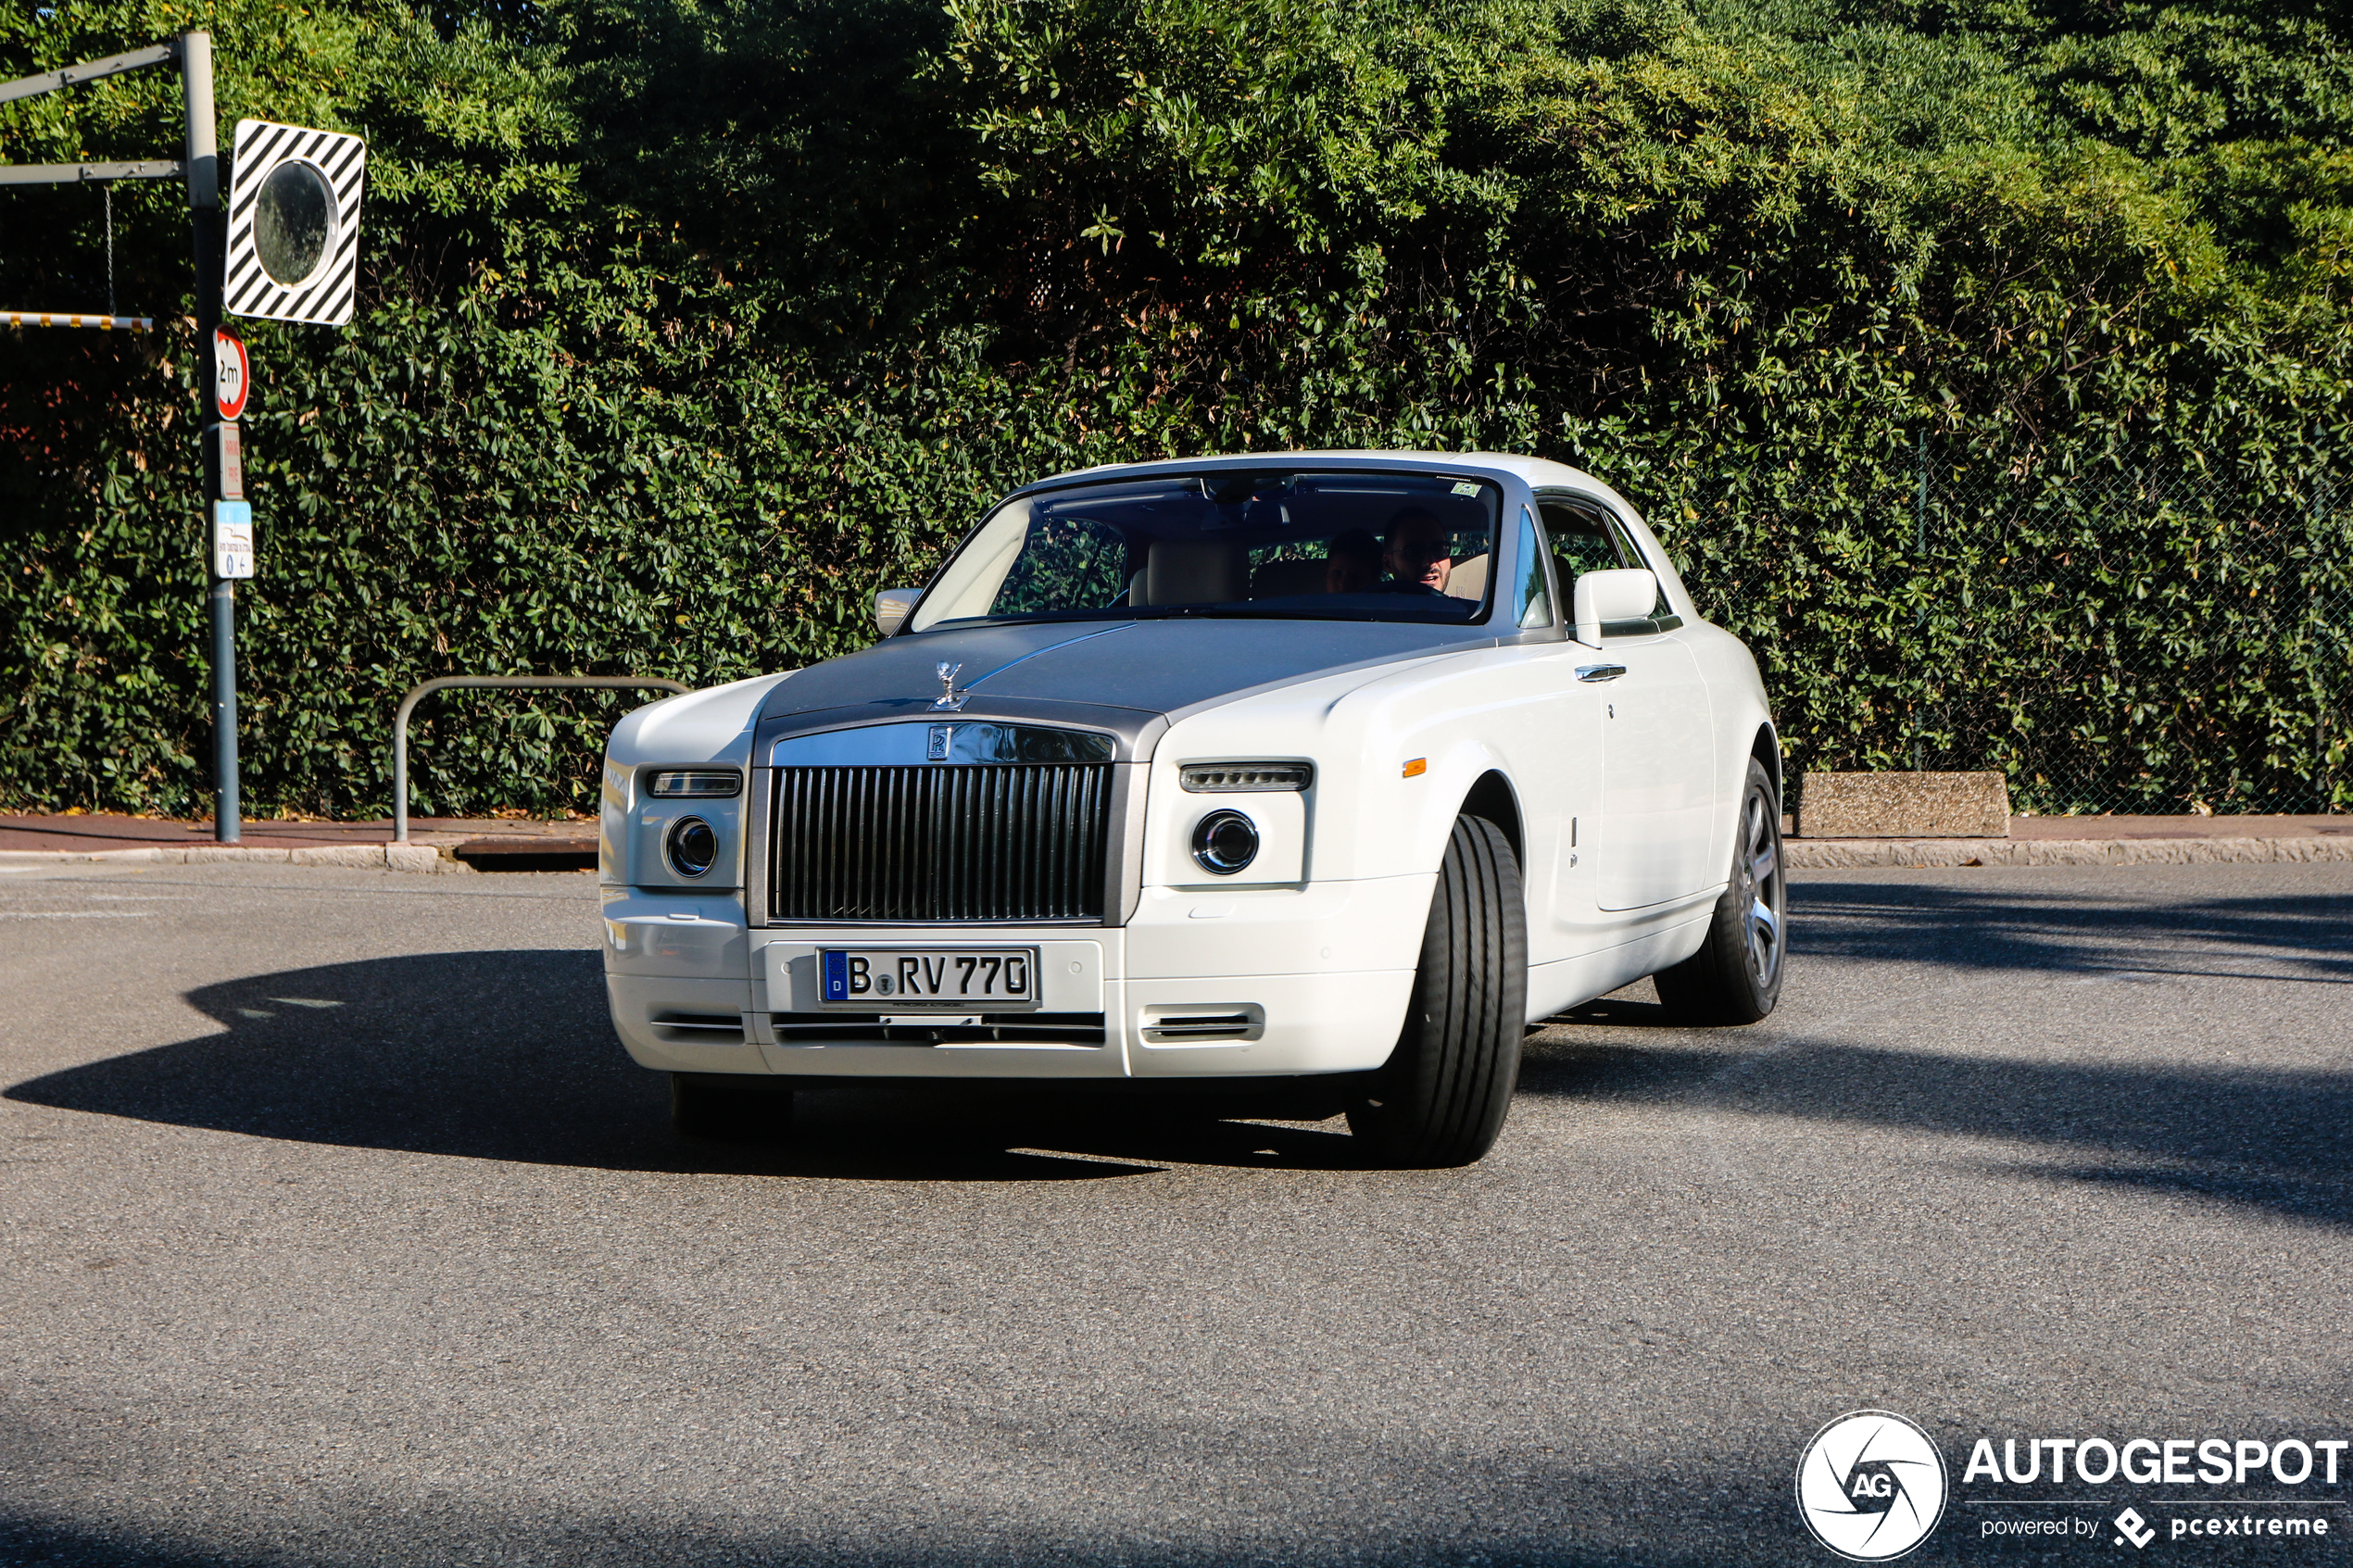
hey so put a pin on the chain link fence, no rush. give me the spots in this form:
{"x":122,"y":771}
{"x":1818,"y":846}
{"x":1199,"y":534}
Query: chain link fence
{"x":2130,"y":637}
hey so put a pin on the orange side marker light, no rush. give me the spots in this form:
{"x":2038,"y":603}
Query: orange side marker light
{"x":1417,"y":767}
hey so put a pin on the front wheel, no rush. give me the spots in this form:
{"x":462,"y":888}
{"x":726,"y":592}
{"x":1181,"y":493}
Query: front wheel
{"x":1736,"y":975}
{"x":1442,"y":1097}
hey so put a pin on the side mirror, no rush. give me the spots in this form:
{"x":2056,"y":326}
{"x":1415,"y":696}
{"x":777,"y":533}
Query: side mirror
{"x":1604,"y":596}
{"x":892,"y":605}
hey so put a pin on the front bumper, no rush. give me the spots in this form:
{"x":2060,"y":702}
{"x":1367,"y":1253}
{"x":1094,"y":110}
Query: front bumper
{"x":1249,"y":983}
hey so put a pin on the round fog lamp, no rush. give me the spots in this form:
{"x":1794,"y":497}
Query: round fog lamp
{"x":1224,"y":842}
{"x":692,"y":846}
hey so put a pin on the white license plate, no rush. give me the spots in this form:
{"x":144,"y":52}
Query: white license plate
{"x":896,"y":979}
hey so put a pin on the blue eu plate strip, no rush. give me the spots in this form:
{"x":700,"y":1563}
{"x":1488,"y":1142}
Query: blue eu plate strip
{"x":837,"y":976}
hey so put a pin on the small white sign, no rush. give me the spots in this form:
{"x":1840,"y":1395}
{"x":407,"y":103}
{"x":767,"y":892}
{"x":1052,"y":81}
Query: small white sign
{"x":230,"y":450}
{"x":232,"y":539}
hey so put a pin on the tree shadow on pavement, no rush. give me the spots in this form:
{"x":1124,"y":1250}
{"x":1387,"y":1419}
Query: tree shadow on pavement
{"x":2298,"y":938}
{"x":2280,"y":1139}
{"x":510,"y":1056}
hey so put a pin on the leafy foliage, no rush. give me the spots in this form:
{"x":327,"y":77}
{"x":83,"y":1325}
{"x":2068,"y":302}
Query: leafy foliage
{"x":688,"y":324}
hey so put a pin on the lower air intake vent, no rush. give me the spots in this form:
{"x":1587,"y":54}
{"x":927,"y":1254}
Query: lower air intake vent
{"x":699,"y":1028}
{"x":1208,"y":1025}
{"x":953,"y":1029}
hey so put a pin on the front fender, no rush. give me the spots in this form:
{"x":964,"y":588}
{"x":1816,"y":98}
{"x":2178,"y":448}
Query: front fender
{"x":1464,"y":767}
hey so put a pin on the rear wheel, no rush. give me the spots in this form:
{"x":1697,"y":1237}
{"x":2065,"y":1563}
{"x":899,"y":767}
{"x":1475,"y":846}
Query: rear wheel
{"x":1441,"y":1098}
{"x":728,"y":1106}
{"x":1736,"y":975}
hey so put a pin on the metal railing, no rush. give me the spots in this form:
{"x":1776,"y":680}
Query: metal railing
{"x":425,"y":689}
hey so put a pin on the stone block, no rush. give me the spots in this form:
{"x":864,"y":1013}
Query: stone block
{"x":214,"y":854}
{"x":413,"y":856}
{"x":1904,"y":806}
{"x":341,"y":855}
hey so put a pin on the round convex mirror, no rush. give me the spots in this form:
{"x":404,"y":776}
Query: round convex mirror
{"x":293,"y":219}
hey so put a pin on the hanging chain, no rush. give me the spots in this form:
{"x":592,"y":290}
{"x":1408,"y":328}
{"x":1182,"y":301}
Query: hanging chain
{"x":109,"y":189}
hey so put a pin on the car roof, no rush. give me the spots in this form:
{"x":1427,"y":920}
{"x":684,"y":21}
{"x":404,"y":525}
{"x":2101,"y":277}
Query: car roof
{"x":1537,"y":473}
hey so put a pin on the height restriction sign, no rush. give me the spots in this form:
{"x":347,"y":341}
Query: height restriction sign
{"x":294,"y":223}
{"x":231,"y":375}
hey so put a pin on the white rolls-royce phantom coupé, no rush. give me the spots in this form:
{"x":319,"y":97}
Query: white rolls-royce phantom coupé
{"x":1320,"y":772}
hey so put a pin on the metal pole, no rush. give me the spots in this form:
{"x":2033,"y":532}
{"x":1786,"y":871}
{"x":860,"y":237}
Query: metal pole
{"x":505,"y":682}
{"x":2313,"y":622}
{"x":89,"y":70}
{"x":204,"y":221}
{"x":1919,"y":613}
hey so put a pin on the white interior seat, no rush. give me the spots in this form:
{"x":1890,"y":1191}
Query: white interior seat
{"x":1468,"y":580}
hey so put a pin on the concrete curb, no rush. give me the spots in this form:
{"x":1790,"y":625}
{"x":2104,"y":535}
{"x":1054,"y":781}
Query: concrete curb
{"x":1840,"y":854}
{"x":393,"y":857}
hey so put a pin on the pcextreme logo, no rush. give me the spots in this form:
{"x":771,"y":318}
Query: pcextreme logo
{"x":1870,"y":1485}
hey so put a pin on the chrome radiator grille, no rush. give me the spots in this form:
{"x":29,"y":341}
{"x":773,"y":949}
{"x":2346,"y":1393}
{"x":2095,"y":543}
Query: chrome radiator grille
{"x":955,"y":843}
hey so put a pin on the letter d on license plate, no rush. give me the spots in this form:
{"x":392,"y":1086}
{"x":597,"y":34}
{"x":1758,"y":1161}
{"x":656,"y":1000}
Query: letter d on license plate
{"x":896,"y":979}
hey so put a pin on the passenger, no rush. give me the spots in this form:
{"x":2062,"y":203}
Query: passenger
{"x":1418,"y":556}
{"x":1352,"y":563}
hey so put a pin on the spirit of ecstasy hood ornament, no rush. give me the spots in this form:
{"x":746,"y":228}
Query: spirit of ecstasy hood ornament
{"x":949,"y":700}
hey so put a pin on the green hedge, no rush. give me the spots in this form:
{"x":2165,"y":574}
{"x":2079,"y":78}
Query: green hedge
{"x":687,"y":327}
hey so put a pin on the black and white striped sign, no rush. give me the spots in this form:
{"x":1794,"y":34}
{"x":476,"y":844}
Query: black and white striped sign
{"x":294,"y":223}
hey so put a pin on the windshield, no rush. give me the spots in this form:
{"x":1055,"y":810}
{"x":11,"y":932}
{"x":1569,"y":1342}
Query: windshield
{"x":1353,"y":546}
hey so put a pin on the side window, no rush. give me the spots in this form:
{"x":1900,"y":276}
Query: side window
{"x":1660,"y":609}
{"x":1587,"y":540}
{"x":1581,"y":541}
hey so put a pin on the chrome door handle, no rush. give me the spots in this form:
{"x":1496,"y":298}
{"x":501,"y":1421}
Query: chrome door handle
{"x":1600,"y":671}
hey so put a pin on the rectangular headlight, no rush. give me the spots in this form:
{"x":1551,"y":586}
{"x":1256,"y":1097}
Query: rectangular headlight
{"x":1239,"y":778}
{"x":696,"y":783}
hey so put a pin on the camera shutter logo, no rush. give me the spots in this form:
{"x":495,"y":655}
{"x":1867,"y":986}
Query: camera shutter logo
{"x":1871,"y":1486}
{"x":294,"y":223}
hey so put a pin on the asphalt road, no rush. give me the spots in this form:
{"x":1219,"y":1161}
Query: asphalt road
{"x":339,"y":1230}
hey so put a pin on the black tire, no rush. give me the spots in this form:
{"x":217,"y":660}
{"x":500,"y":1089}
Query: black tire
{"x":1735,"y":977}
{"x":728,"y":1106}
{"x":1445,"y":1092}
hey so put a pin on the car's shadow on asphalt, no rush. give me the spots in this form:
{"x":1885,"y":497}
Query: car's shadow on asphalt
{"x":510,"y":1056}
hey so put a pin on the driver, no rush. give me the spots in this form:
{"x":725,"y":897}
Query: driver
{"x":1416,"y":554}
